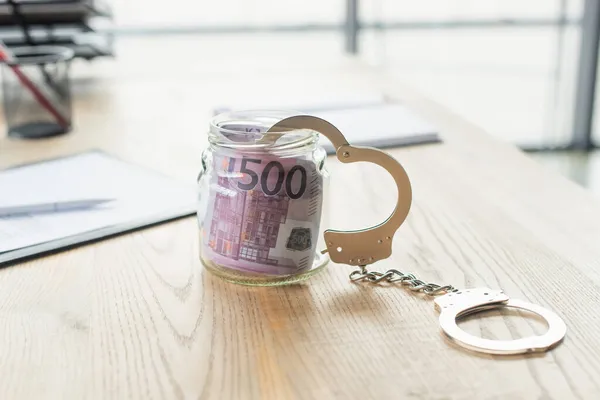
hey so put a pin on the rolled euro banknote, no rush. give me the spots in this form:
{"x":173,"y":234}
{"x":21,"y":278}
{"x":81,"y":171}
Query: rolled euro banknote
{"x":262,"y":212}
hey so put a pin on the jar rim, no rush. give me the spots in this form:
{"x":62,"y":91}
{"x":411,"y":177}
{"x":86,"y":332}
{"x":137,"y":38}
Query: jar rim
{"x":248,"y":128}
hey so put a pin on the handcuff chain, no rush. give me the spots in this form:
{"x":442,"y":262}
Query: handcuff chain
{"x":409,"y":280}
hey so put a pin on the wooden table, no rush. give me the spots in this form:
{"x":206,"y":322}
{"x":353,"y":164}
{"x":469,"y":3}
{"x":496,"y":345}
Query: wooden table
{"x":137,"y":317}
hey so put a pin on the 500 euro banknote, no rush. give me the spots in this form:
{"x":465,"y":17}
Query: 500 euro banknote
{"x":262,"y":213}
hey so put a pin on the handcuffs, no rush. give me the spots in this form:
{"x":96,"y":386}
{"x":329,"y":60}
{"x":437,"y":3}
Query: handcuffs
{"x":367,"y":246}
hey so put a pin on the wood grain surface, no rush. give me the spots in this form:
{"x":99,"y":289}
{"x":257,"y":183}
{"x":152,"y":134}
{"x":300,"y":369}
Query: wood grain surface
{"x":137,"y":317}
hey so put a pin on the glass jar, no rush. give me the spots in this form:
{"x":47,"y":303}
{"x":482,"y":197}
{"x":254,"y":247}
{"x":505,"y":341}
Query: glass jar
{"x":260,"y":200}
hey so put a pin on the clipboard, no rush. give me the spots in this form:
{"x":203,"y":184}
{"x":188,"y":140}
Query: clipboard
{"x":143,"y":198}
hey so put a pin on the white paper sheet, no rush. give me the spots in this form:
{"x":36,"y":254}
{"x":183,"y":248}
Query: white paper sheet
{"x":364,"y":121}
{"x":139,"y":195}
{"x":379,"y":125}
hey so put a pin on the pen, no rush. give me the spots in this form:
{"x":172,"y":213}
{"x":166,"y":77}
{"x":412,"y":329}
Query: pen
{"x":51,"y":207}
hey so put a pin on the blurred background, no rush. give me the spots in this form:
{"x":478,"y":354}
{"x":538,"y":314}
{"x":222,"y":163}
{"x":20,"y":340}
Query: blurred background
{"x":525,"y":71}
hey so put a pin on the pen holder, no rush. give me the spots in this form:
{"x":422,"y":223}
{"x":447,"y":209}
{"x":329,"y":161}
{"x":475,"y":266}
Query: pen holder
{"x":36,"y":91}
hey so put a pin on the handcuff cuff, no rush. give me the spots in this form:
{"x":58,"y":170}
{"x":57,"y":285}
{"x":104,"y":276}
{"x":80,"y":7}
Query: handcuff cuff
{"x":367,"y":246}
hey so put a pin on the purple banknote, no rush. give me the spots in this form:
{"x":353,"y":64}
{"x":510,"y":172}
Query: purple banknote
{"x":262,"y":213}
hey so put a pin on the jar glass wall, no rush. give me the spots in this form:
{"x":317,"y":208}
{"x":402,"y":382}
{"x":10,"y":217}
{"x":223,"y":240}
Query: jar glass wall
{"x":261,"y":200}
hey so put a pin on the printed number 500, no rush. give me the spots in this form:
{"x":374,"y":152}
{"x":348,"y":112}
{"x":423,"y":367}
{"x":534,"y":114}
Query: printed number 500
{"x":281,"y":178}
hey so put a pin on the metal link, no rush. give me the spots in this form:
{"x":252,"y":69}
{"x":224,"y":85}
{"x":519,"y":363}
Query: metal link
{"x":395,"y":276}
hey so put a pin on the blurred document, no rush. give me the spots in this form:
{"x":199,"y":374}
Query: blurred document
{"x":382,"y":125}
{"x":367,"y":122}
{"x":141,"y":197}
